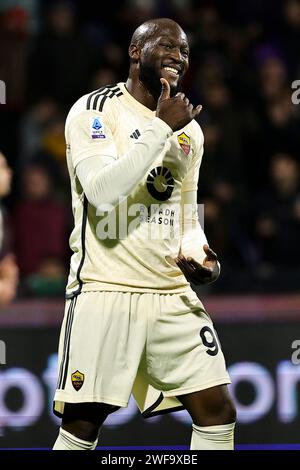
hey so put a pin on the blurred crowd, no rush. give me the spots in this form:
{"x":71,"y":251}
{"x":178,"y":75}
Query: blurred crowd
{"x":244,"y":58}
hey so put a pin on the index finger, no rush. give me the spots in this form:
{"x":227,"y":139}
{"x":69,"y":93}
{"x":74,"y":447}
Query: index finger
{"x":197,"y":110}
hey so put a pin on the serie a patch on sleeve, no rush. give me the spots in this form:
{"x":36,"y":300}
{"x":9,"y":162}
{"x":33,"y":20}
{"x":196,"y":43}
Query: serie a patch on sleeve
{"x":97,"y":128}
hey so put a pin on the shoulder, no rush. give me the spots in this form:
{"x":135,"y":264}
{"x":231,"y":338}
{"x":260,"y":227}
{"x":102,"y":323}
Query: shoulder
{"x":101,"y":101}
{"x":196,"y":132}
{"x":104,"y":97}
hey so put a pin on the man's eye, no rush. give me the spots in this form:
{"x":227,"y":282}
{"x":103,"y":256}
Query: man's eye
{"x":168,"y":46}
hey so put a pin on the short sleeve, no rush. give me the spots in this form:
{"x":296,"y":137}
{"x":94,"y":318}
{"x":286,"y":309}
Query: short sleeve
{"x":190,"y":181}
{"x":90,"y":134}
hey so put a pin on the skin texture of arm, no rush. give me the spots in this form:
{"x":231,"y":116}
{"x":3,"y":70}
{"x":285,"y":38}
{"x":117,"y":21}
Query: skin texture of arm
{"x":104,"y":179}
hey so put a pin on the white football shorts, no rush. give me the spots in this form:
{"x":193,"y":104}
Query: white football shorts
{"x":156,"y":346}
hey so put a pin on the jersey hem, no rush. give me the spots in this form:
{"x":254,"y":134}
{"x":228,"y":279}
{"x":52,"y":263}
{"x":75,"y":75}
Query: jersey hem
{"x":116,"y":288}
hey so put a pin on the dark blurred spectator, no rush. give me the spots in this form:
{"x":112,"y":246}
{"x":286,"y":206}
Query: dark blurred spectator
{"x":53,"y":140}
{"x":40,"y":222}
{"x":135,"y":12}
{"x":282,"y":125}
{"x":112,"y":55}
{"x":224,"y":147}
{"x":104,"y":76}
{"x":290,"y":33}
{"x":222,"y":219}
{"x":273,"y":78}
{"x":48,"y":281}
{"x":9,"y":272}
{"x":33,"y":127}
{"x":215,"y":226}
{"x":42,"y":138}
{"x":277,"y":221}
{"x":14,"y":48}
{"x":209,"y":30}
{"x":61,"y":60}
{"x":271,"y":122}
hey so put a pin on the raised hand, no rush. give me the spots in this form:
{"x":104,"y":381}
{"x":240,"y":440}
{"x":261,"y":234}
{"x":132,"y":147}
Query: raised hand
{"x":177,"y":111}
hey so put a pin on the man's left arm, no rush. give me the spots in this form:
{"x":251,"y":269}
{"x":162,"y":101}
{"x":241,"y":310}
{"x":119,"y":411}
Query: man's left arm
{"x":198,"y":262}
{"x":196,"y":259}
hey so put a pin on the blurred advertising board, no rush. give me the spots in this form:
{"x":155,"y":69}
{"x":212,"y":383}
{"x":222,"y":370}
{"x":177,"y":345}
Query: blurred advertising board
{"x":260,"y":337}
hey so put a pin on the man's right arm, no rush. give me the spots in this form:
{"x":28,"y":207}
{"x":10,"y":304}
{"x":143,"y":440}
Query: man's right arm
{"x":103,"y":175}
{"x":104,"y":178}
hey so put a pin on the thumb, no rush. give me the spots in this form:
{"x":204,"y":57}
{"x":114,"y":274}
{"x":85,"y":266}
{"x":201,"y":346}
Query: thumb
{"x":165,"y":90}
{"x":210,"y":254}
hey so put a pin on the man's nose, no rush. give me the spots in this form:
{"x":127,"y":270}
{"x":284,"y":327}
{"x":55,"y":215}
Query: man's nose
{"x":176,"y":54}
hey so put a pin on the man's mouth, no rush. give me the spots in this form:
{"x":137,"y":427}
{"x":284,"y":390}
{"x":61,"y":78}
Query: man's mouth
{"x":172,"y":69}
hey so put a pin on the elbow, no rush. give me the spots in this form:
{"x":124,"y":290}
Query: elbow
{"x":100,"y":201}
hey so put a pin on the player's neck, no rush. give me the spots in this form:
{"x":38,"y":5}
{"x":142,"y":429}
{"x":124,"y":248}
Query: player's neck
{"x":141,"y":93}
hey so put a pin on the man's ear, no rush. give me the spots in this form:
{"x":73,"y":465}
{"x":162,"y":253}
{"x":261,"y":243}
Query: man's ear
{"x":134,"y":52}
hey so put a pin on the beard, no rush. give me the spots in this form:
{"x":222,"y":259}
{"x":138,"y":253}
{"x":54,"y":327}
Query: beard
{"x":151,"y":80}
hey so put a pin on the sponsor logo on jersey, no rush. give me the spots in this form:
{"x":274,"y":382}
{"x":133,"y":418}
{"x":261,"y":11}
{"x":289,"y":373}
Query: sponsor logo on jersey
{"x":160,"y":183}
{"x":184,"y":142}
{"x":97,"y":129}
{"x":77,"y":379}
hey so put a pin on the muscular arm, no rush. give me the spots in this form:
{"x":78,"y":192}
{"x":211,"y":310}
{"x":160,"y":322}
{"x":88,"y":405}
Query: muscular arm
{"x":105,"y":178}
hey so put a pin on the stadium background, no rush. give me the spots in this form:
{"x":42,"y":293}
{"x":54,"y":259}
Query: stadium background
{"x":244,"y":59}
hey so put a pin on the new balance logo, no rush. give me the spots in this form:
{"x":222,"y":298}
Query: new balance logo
{"x":135,"y":134}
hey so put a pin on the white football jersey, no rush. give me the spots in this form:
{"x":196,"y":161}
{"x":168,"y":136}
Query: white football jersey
{"x":130,"y":247}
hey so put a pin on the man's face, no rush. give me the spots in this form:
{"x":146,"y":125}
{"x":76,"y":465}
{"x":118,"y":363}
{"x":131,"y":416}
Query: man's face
{"x":165,"y":54}
{"x":5,"y":176}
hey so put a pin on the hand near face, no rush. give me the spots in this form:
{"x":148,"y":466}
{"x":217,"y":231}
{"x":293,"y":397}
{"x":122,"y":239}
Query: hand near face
{"x":177,"y":111}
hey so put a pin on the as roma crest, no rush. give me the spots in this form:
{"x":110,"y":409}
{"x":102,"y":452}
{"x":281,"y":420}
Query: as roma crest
{"x":77,"y":380}
{"x":184,"y":142}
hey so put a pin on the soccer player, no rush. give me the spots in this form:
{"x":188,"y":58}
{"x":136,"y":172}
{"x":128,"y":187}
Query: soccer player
{"x":132,"y":322}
